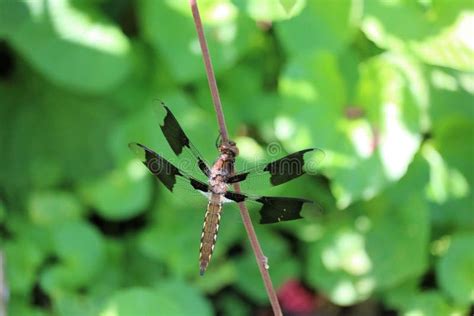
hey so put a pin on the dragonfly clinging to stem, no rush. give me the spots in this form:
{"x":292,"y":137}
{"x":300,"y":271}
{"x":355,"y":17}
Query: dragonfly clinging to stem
{"x":220,"y":177}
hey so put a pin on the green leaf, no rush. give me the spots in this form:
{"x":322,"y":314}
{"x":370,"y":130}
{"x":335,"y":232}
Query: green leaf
{"x":59,"y":153}
{"x":453,"y":146}
{"x":190,"y":300}
{"x":221,"y":275}
{"x":438,"y":33}
{"x":431,"y":303}
{"x":3,"y":211}
{"x":77,"y":305}
{"x":454,"y":269}
{"x":375,"y":245}
{"x":75,"y":49}
{"x":141,"y":301}
{"x":247,"y":272}
{"x":113,"y":277}
{"x":322,"y":25}
{"x":228,"y":38}
{"x":280,"y":263}
{"x":268,"y":10}
{"x":80,"y":250}
{"x":451,"y":47}
{"x":50,"y":208}
{"x":23,"y":259}
{"x":363,"y":155}
{"x":231,"y":305}
{"x":120,"y":195}
{"x":18,"y":305}
{"x":393,"y":96}
{"x":308,"y":84}
{"x":400,"y":295}
{"x":12,"y":14}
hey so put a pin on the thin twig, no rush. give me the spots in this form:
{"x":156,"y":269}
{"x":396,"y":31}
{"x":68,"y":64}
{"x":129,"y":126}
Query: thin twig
{"x":261,"y":259}
{"x":3,"y":287}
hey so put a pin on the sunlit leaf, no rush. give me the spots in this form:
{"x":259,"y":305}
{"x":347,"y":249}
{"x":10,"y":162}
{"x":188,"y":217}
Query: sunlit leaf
{"x":451,"y":48}
{"x":71,"y":49}
{"x":227,"y":40}
{"x":438,"y":33}
{"x":322,"y":25}
{"x":268,"y":10}
{"x":431,"y":303}
{"x":454,"y":269}
{"x":140,"y":301}
{"x":358,"y":254}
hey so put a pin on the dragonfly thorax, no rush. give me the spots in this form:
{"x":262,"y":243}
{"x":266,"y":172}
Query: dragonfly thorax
{"x":220,"y":172}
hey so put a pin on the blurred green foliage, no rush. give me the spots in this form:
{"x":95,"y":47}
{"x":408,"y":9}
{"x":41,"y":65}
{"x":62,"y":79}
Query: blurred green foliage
{"x":385,"y":88}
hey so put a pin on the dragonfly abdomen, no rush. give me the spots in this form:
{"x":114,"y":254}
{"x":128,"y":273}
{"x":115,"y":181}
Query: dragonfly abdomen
{"x":209,"y":231}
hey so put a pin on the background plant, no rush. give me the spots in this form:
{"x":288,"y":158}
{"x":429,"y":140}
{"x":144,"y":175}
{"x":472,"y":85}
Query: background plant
{"x":384,"y":88}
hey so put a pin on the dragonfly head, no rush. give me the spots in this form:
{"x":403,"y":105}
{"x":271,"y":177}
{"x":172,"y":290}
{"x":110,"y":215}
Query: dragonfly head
{"x":229,"y":147}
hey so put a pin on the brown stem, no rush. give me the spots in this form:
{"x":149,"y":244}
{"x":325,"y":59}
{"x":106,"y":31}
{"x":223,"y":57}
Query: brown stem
{"x":259,"y":256}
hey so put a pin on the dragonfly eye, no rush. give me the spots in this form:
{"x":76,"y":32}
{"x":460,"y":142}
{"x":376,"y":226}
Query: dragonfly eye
{"x":229,"y":147}
{"x":235,"y":150}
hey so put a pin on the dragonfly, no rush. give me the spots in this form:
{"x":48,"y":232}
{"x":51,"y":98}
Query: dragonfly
{"x":220,"y":177}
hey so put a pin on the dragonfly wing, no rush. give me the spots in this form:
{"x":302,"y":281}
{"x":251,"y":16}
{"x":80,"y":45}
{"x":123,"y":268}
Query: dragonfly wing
{"x":164,"y":170}
{"x":274,"y":209}
{"x":179,"y":141}
{"x":282,"y":170}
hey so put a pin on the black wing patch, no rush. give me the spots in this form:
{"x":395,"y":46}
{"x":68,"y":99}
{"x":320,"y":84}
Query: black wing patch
{"x":236,"y":197}
{"x":277,"y":209}
{"x":274,"y":209}
{"x":237,"y":177}
{"x":198,"y":185}
{"x":174,"y":134}
{"x":284,"y":169}
{"x":164,"y":170}
{"x":287,"y":168}
{"x":178,"y":140}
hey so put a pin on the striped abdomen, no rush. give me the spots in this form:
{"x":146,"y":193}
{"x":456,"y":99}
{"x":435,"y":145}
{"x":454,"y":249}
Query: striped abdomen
{"x":209,"y":231}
